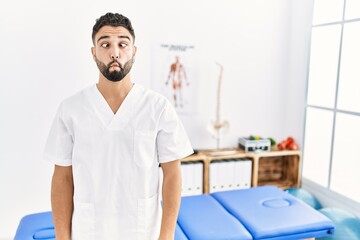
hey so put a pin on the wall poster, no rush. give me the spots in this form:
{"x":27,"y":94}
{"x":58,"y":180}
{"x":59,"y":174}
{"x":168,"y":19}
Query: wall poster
{"x":174,"y":75}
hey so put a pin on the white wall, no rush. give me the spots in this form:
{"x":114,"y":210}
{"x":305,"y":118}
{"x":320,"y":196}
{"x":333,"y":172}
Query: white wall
{"x":298,"y":57}
{"x":45,"y":57}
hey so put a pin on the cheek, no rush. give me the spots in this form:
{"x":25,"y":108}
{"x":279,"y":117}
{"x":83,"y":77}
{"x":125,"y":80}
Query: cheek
{"x":102,"y":57}
{"x":99,"y":54}
{"x":129,"y":51}
{"x":125,"y":57}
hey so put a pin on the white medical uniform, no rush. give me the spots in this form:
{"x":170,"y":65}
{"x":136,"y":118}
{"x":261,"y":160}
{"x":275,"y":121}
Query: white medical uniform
{"x":115,"y":160}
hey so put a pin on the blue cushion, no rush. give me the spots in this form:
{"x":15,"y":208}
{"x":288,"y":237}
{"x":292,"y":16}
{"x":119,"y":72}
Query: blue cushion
{"x":45,"y":234}
{"x":270,"y":213}
{"x":179,"y":234}
{"x":305,"y":196}
{"x":36,"y":226}
{"x":347,"y":225}
{"x":257,"y":213}
{"x":201,"y":217}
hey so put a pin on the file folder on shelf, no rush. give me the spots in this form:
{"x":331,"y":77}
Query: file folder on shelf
{"x":192,"y":178}
{"x":230,"y":174}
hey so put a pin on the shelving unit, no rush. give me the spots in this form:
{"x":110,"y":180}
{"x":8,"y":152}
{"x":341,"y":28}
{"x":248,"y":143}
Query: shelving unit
{"x":280,"y":168}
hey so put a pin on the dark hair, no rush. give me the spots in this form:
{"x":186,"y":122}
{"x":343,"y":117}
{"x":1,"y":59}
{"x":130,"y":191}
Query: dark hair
{"x":115,"y":20}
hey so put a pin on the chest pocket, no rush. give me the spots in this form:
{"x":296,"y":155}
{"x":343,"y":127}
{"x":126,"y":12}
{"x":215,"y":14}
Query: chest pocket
{"x":144,"y":148}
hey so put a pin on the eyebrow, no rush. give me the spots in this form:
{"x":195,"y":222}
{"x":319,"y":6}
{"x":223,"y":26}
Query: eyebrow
{"x":121,"y":36}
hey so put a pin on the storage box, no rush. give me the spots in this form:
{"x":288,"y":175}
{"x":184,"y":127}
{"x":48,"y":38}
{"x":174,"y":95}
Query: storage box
{"x":260,"y":145}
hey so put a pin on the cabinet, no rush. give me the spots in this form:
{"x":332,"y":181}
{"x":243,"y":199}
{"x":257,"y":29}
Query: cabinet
{"x":279,"y":168}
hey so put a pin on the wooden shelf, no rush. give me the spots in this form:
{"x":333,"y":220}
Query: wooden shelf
{"x":279,"y":168}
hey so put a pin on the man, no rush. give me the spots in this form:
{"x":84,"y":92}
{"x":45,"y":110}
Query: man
{"x":107,"y":142}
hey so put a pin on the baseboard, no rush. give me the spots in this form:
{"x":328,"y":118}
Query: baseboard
{"x":329,"y":198}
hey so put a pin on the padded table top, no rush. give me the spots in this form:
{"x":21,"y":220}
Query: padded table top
{"x":203,"y":218}
{"x":270,"y":213}
{"x":179,"y":234}
{"x":256,"y":213}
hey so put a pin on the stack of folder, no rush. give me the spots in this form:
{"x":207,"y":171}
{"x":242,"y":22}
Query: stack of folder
{"x":230,"y":174}
{"x":192,"y":178}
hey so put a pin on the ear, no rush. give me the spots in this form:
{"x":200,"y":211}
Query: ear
{"x":134,"y":51}
{"x":93,"y":53}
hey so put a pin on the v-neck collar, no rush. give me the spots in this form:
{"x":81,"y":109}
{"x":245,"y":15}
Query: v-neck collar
{"x":111,"y":120}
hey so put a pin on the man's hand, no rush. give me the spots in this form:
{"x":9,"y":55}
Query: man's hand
{"x":171,"y":195}
{"x":62,"y":190}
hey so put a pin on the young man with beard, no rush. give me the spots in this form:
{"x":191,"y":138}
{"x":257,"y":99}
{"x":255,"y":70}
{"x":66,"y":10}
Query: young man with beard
{"x":107,"y":142}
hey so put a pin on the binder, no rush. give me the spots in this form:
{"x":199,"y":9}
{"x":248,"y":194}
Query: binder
{"x":242,"y":173}
{"x":184,"y":175}
{"x":238,"y":174}
{"x":222,"y":167}
{"x":213,"y":177}
{"x":190,"y":179}
{"x":230,"y":174}
{"x":247,"y":173}
{"x":198,"y":178}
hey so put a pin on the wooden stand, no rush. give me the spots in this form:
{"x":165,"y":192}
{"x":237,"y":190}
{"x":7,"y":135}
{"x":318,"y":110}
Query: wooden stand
{"x":279,"y":168}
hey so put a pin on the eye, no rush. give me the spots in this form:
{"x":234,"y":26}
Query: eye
{"x":123,"y":45}
{"x":104,"y":45}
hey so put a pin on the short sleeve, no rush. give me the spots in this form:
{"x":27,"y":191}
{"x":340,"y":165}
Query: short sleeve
{"x":59,"y":144}
{"x":172,"y":141}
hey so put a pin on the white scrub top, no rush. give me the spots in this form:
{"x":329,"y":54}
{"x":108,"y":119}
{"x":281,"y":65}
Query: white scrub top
{"x":115,"y":160}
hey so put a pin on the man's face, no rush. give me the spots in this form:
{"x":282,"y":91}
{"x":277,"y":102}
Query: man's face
{"x":113,"y":52}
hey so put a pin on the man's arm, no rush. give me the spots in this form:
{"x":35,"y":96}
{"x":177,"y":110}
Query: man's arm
{"x":171,"y":195}
{"x":62,"y":190}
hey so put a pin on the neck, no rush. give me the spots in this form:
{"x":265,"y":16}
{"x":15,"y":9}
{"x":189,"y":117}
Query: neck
{"x":111,"y":89}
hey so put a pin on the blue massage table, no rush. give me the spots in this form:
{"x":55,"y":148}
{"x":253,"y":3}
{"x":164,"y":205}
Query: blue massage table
{"x":256,"y":213}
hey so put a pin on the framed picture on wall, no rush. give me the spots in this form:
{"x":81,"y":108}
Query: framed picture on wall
{"x":174,"y":75}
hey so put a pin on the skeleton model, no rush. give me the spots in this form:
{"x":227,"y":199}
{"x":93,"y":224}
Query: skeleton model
{"x":218,"y":128}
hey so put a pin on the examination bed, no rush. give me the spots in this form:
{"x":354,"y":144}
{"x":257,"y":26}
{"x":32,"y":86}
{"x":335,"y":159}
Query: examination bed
{"x":256,"y":213}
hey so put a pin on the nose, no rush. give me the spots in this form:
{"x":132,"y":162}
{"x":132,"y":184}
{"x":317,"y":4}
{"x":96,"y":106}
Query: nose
{"x":114,"y":54}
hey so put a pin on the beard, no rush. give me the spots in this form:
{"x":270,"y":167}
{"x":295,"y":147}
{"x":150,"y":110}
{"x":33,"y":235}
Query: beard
{"x":114,"y":76}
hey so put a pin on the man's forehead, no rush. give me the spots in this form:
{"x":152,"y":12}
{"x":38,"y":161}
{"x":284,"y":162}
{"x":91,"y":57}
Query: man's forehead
{"x":112,"y":31}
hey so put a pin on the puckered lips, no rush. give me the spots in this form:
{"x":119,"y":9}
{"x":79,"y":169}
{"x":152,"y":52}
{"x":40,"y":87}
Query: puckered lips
{"x":114,"y":65}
